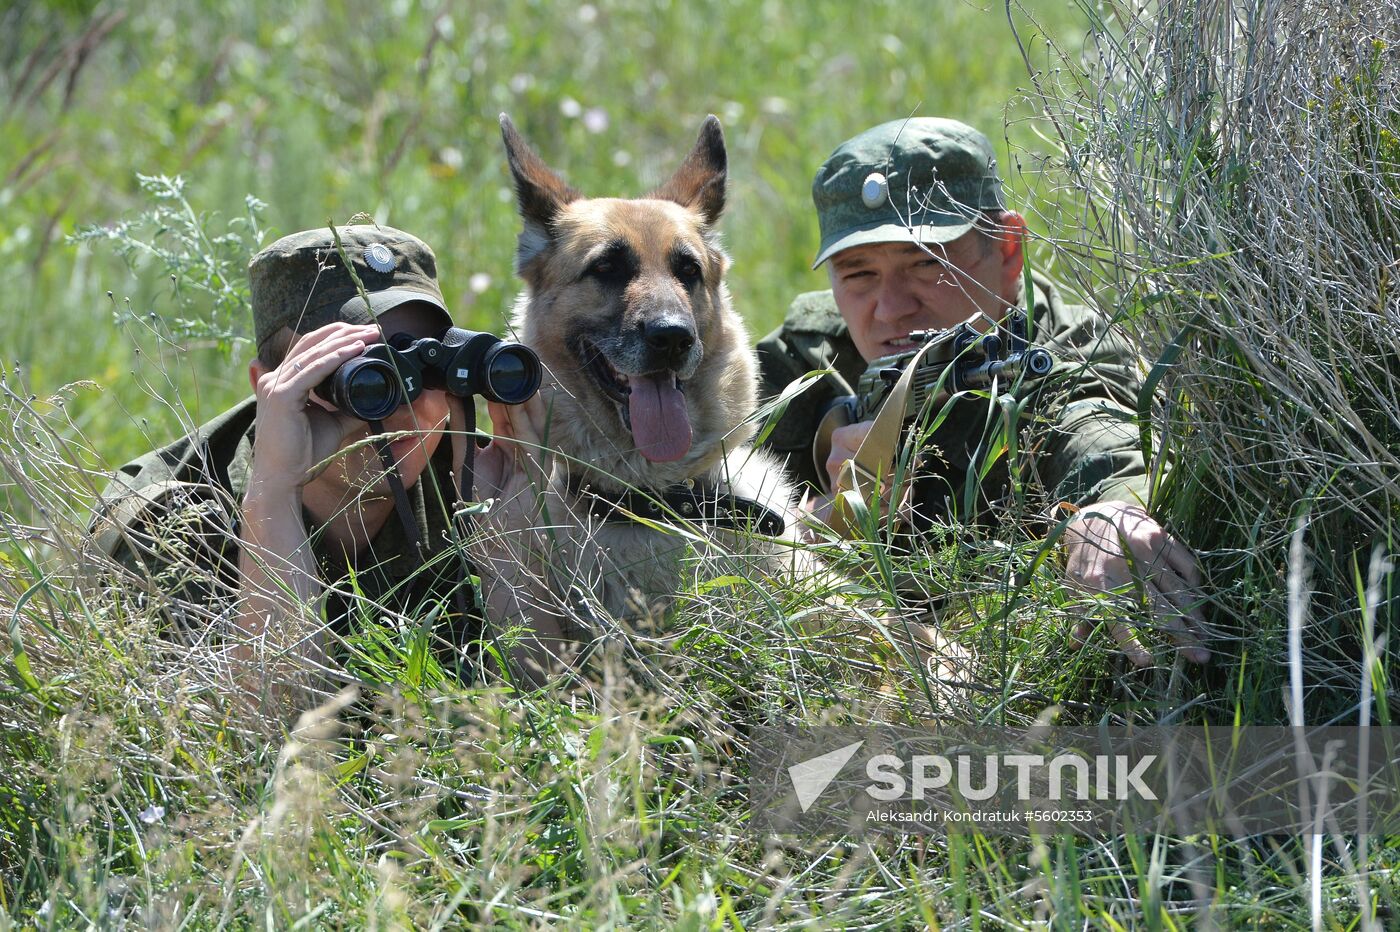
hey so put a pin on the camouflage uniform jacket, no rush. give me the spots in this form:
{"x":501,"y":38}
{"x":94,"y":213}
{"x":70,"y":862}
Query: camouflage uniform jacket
{"x":1079,"y":439}
{"x":172,"y":516}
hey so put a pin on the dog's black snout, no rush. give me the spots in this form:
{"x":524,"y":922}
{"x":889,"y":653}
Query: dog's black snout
{"x":669,"y":337}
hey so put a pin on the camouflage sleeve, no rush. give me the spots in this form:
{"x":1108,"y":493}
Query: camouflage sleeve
{"x":175,"y":546}
{"x":780,"y":363}
{"x":1090,"y":449}
{"x":1093,"y":453}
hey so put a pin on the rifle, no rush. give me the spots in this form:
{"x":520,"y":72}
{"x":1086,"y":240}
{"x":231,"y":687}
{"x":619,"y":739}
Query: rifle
{"x":958,"y":359}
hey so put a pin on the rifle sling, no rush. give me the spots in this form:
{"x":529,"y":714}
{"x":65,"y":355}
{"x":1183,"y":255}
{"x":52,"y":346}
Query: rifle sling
{"x":861,"y":477}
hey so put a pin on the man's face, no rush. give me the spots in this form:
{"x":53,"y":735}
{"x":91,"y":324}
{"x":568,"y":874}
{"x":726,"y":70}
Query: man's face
{"x":885,"y":291}
{"x":425,"y":418}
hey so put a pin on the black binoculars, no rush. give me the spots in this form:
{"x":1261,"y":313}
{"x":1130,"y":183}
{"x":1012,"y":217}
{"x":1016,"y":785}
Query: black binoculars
{"x":464,"y":362}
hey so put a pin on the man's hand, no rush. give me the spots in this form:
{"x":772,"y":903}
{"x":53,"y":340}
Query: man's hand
{"x":845,"y":441}
{"x":281,"y":641}
{"x":296,"y":431}
{"x":1113,"y":544}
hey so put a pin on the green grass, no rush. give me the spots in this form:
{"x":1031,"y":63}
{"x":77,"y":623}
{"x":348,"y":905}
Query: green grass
{"x":130,"y":791}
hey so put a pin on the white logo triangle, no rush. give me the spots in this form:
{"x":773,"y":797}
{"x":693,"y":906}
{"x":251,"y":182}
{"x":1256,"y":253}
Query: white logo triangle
{"x":811,"y":777}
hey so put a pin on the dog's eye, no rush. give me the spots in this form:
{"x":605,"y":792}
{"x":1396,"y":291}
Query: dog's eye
{"x":687,"y":270}
{"x":608,"y":271}
{"x":616,"y":266}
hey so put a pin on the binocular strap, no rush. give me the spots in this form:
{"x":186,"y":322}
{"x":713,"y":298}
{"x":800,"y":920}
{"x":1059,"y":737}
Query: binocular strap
{"x":466,"y":480}
{"x":401,"y":505}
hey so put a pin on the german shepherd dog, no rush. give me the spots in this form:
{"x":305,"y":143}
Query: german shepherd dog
{"x":648,"y":404}
{"x":651,"y":383}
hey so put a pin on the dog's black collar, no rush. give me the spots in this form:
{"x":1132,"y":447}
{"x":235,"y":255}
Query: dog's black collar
{"x":693,"y":502}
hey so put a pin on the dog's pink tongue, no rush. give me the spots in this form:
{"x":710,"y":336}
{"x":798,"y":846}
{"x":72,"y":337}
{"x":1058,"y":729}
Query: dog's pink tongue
{"x":660,"y":423}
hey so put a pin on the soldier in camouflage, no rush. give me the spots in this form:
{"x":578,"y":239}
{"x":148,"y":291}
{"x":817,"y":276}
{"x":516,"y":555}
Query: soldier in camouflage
{"x":280,"y":501}
{"x":916,"y":236}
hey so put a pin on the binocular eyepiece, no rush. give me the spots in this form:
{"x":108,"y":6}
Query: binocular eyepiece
{"x":463,"y":362}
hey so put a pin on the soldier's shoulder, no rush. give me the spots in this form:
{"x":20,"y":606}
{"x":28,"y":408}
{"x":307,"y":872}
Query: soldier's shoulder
{"x":1052,"y":309}
{"x":810,"y":337}
{"x":188,"y":475}
{"x":811,"y":326}
{"x":167,"y":507}
{"x":814,"y":312}
{"x":220,"y":438}
{"x":1084,"y":327}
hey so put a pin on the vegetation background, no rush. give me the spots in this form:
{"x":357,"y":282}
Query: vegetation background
{"x":1140,"y":141}
{"x":322,"y":111}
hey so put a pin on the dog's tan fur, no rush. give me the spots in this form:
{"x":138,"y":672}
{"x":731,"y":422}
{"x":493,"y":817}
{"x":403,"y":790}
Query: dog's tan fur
{"x":633,"y":567}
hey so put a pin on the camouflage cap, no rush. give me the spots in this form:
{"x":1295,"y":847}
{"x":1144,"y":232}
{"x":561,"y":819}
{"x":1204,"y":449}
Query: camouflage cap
{"x":919,"y":180}
{"x":300,"y":282}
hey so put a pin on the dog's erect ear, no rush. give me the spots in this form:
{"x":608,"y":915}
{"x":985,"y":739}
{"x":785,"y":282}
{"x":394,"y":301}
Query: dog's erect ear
{"x":539,"y":192}
{"x":699,"y":182}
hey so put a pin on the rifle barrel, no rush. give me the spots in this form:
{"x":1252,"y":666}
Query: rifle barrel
{"x":1034,"y":362}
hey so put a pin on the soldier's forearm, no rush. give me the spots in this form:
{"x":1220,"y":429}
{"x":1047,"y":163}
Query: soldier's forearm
{"x":278,"y":584}
{"x":1093,"y":452}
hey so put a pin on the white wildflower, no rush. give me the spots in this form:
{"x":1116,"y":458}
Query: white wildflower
{"x":595,"y":119}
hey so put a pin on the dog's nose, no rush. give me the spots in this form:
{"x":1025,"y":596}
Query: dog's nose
{"x":672,"y":337}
